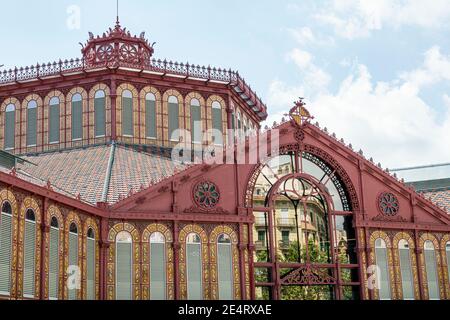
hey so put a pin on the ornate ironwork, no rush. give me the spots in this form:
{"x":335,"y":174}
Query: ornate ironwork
{"x":388,"y":204}
{"x":333,"y":177}
{"x":308,"y":275}
{"x":206,"y":194}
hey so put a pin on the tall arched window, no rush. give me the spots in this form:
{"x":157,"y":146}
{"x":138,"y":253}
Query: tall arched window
{"x":73,"y":255}
{"x":10,"y":126}
{"x":53,"y":120}
{"x":431,"y":270}
{"x":157,"y":266}
{"x":100,"y":113}
{"x":225,"y":267}
{"x":31,"y":123}
{"x":150,"y":116}
{"x":5,"y":249}
{"x":29,"y":244}
{"x":77,"y":117}
{"x":127,"y":113}
{"x":196,"y":122}
{"x":174,"y":112}
{"x":124,"y":269}
{"x":404,"y":254}
{"x":245,"y":127}
{"x":382,"y":263}
{"x":194,"y":267}
{"x":217,"y":122}
{"x":53,"y":267}
{"x":90,"y":264}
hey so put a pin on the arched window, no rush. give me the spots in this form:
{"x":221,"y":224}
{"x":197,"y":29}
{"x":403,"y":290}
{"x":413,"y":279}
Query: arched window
{"x":31,"y":123}
{"x":225,"y":267}
{"x":5,"y":248}
{"x":239,"y":125}
{"x":124,"y":269}
{"x":217,"y":122}
{"x":100,"y":113}
{"x":404,"y":254}
{"x":150,"y":116}
{"x":90,"y":264}
{"x":157,"y":266}
{"x":10,"y":126}
{"x":127,"y":113}
{"x":431,"y":270}
{"x":447,"y":256}
{"x":382,"y":264}
{"x":73,"y":255}
{"x":196,"y":122}
{"x":245,"y":127}
{"x":53,"y":268}
{"x":194,"y":267}
{"x":29,"y":244}
{"x":77,"y":117}
{"x":174,"y":112}
{"x":53,"y":120}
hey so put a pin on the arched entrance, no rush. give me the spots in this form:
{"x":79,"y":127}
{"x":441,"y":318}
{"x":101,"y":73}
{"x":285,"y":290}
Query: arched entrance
{"x":305,"y":243}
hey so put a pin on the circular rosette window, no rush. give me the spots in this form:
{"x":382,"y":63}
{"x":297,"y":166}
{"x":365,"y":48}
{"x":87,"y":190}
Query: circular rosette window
{"x":206,"y":195}
{"x":388,"y":204}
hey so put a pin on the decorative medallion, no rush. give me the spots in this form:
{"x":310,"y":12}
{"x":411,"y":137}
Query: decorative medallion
{"x":206,"y":195}
{"x":299,"y":114}
{"x":388,"y":204}
{"x":299,"y":135}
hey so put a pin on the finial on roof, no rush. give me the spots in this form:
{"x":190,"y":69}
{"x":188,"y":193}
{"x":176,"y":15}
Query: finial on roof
{"x":299,"y":114}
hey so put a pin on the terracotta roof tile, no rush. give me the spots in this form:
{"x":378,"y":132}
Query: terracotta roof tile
{"x":441,"y":198}
{"x":84,"y":171}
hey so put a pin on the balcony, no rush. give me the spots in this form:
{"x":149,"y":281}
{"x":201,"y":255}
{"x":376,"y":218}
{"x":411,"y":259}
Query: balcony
{"x":284,"y":244}
{"x":260,"y":222}
{"x":286,"y":222}
{"x":260,"y":245}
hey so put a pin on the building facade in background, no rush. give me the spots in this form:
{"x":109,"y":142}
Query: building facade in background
{"x":89,"y":191}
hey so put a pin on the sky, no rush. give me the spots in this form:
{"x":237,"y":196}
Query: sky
{"x":375,"y":72}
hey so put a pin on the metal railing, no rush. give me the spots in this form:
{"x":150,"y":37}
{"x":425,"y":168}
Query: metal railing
{"x":159,"y":66}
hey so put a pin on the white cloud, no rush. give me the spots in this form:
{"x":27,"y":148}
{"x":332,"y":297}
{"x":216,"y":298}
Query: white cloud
{"x":388,"y":120}
{"x":305,"y":35}
{"x":352,"y":19}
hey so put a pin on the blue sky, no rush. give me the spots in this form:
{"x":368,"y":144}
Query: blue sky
{"x":375,"y":72}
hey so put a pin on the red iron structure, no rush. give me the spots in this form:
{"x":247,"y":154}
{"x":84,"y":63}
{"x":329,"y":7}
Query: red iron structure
{"x":308,"y":226}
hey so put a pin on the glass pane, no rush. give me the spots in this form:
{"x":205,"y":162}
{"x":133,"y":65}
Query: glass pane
{"x":123,"y":272}
{"x":150,"y":118}
{"x":127,"y":116}
{"x":53,"y":264}
{"x":100,"y":117}
{"x":157,"y":271}
{"x":31,"y":126}
{"x":225,"y":271}
{"x":10,"y":118}
{"x":54,"y":123}
{"x":196,"y":125}
{"x":77,"y":120}
{"x":5,"y":253}
{"x":173,"y":121}
{"x":382,"y":263}
{"x":217,"y":124}
{"x":432,"y":278}
{"x":194,"y":271}
{"x":406,"y":273}
{"x":73,"y":260}
{"x":29,"y":259}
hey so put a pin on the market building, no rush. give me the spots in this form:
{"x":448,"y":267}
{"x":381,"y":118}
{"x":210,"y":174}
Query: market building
{"x":89,"y":188}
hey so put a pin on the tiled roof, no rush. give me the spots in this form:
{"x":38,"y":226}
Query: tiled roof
{"x":83,"y":172}
{"x":441,"y":198}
